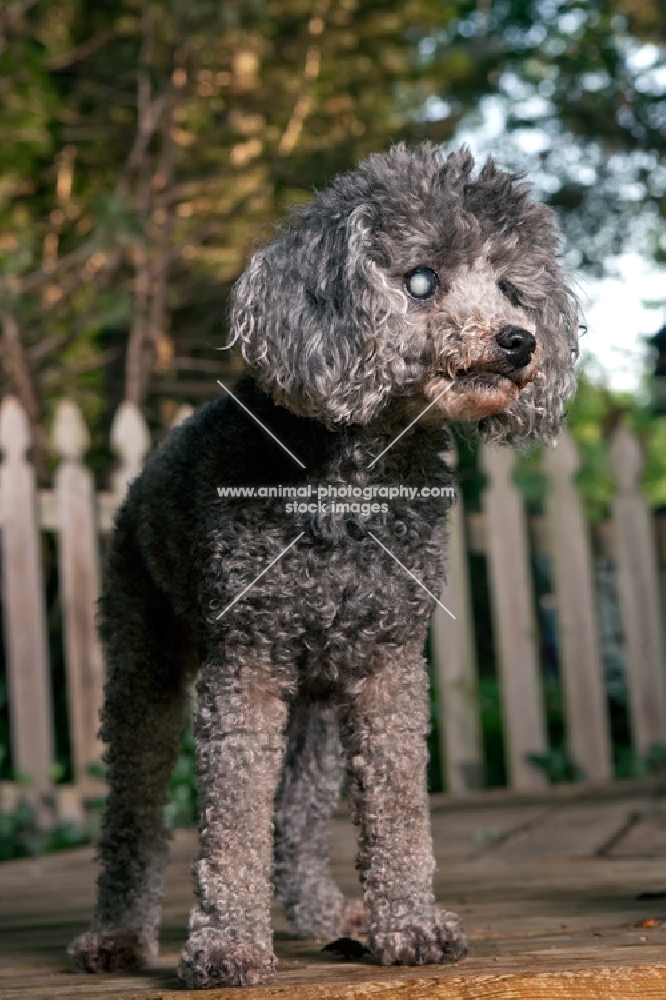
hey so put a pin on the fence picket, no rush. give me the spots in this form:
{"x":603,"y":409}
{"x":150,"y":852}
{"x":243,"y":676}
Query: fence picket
{"x":31,"y":717}
{"x":79,"y":515}
{"x":79,"y":585}
{"x":455,"y":668}
{"x":588,"y":739}
{"x":638,"y":590}
{"x":511,"y":602}
{"x":130,"y":441}
{"x":183,"y":413}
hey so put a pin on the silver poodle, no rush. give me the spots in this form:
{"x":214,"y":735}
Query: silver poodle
{"x":409,"y":282}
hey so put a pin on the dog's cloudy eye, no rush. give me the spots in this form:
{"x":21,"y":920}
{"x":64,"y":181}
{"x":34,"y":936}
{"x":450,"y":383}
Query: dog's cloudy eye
{"x":509,"y":292}
{"x":422,"y":282}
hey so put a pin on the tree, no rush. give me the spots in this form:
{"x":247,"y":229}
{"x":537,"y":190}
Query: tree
{"x":144,"y":146}
{"x":582,"y":88}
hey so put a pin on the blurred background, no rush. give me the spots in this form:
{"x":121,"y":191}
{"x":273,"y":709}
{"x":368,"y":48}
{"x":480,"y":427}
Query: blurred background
{"x":146,"y":148}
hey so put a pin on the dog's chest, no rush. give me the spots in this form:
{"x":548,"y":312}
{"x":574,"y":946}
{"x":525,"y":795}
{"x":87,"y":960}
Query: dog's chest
{"x":371,"y":584}
{"x":340,"y":582}
{"x":347,"y":560}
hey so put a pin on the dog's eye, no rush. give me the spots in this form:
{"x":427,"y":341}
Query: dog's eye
{"x":422,"y":282}
{"x":509,"y":292}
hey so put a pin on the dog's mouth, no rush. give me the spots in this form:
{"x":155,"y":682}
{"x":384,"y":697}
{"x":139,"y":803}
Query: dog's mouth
{"x":480,"y":390}
{"x":485,"y":376}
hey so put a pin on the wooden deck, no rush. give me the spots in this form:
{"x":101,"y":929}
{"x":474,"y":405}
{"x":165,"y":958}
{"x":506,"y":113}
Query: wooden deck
{"x":561,"y":896}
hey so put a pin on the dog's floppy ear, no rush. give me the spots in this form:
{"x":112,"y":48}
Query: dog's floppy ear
{"x":559,"y":324}
{"x":313,"y":315}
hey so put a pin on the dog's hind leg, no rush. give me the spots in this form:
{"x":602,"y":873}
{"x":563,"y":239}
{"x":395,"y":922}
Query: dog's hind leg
{"x":307,"y":795}
{"x":141,"y":721}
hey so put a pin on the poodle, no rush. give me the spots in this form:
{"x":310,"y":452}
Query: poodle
{"x":411,"y":294}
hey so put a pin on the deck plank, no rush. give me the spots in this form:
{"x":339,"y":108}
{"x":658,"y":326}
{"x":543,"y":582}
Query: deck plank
{"x":571,"y":831}
{"x":542,"y":922}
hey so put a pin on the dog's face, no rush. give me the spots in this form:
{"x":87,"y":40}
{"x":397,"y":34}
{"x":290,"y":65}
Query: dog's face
{"x":410,"y":279}
{"x":481,"y":338}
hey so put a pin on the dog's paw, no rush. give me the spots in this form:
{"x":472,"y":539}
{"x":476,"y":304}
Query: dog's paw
{"x":432,"y":940}
{"x":111,"y":950}
{"x":209,"y":962}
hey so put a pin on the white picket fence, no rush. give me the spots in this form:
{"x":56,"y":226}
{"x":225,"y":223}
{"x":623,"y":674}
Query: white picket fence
{"x":79,"y":516}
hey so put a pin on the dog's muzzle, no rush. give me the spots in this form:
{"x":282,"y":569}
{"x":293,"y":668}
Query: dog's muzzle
{"x":517,"y":345}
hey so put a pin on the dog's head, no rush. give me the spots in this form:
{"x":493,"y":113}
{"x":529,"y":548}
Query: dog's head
{"x":410,"y":278}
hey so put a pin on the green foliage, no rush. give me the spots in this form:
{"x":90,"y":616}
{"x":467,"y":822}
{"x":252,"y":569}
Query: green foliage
{"x":651,"y":430}
{"x":21,"y":837}
{"x":630,"y":765}
{"x":492,"y":730}
{"x":594,"y":413}
{"x":531,"y":480}
{"x":181,"y":809}
{"x":557,"y":765}
{"x":4,"y":731}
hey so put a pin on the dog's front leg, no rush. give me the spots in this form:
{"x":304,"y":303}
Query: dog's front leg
{"x":385,"y":723}
{"x":239,"y":735}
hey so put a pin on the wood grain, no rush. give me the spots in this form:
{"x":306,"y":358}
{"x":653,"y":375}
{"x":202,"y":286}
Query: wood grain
{"x":542,"y":924}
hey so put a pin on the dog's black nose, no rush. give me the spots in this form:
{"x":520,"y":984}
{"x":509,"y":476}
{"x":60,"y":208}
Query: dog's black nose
{"x":518,"y":345}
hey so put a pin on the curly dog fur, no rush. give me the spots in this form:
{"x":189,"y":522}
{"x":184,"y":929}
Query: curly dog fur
{"x":409,"y":281}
